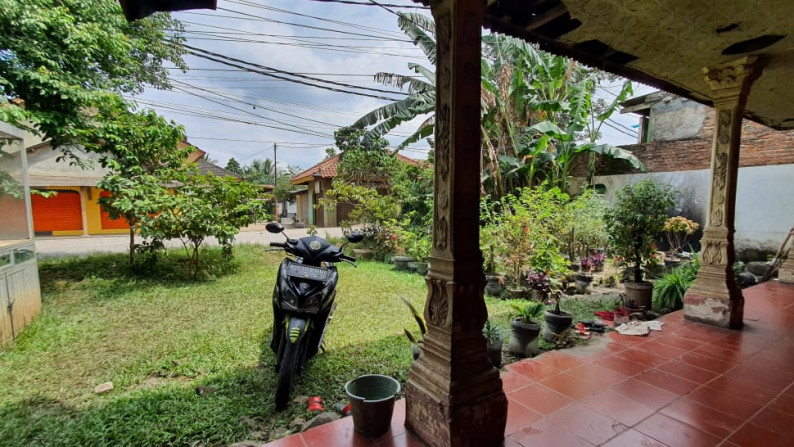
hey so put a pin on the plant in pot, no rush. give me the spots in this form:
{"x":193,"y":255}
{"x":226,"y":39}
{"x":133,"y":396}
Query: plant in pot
{"x":416,"y":343}
{"x":677,"y":230}
{"x":598,"y":262}
{"x":584,"y":278}
{"x":420,"y":251}
{"x":632,"y":222}
{"x":518,"y":251}
{"x":557,"y":321}
{"x":540,"y":284}
{"x":494,"y":339}
{"x":490,"y":245}
{"x":524,"y":329}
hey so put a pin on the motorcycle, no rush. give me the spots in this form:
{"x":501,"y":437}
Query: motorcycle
{"x":303,"y":303}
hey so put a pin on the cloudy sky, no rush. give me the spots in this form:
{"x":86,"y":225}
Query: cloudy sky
{"x":229,"y":112}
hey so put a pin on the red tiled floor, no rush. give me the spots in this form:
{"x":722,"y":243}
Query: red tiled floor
{"x":541,"y":399}
{"x":673,"y":432}
{"x":545,"y":433}
{"x":703,"y":417}
{"x":687,"y":371}
{"x":621,"y":365}
{"x":513,"y":381}
{"x":633,"y":438}
{"x":645,"y":393}
{"x":667,"y":381}
{"x":519,"y":416}
{"x":572,"y":386}
{"x":619,"y":407}
{"x":582,"y":421}
{"x":688,"y":385}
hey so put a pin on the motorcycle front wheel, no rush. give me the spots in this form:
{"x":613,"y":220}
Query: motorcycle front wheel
{"x":286,"y":374}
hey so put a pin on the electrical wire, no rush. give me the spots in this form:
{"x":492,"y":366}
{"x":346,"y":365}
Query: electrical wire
{"x":351,"y":2}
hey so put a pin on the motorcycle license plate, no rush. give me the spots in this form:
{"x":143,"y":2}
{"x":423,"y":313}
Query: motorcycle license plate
{"x":307,"y":272}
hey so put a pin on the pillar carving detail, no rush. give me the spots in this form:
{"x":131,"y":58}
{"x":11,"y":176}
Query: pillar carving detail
{"x":715,"y":298}
{"x":454,"y":395}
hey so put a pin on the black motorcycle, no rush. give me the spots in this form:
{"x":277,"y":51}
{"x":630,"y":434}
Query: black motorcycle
{"x":303,"y":302}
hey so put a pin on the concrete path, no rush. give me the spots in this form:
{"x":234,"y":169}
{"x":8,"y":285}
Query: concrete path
{"x":53,"y":246}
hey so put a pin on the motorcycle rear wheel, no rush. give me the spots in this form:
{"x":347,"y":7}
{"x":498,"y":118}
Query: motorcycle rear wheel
{"x":286,"y":374}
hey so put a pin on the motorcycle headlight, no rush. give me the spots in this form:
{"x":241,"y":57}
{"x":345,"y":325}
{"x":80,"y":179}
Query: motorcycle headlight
{"x":311,"y":305}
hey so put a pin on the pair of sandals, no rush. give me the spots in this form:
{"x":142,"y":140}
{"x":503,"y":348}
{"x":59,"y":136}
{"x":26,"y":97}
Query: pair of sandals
{"x":584,"y":328}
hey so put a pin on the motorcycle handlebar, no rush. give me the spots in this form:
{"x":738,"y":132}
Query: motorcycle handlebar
{"x":277,"y":244}
{"x":344,"y":257}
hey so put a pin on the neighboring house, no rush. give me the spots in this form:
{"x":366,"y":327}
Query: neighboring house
{"x":318,"y":179}
{"x":20,"y":293}
{"x":75,"y":209}
{"x":675,"y":144}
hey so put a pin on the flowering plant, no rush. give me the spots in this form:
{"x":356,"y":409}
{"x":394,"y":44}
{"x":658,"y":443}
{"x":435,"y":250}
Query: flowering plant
{"x":539,"y":281}
{"x":587,"y":263}
{"x":598,"y":259}
{"x":677,"y":230}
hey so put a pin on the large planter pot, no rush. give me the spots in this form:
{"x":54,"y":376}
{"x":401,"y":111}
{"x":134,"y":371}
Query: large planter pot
{"x":422,"y":268}
{"x":413,"y":266}
{"x":495,"y":352}
{"x":583,"y":283}
{"x":523,"y":338}
{"x":641,"y":293}
{"x":598,"y":268}
{"x":556,"y":324}
{"x":401,"y":262}
{"x":517,"y":293}
{"x":493,"y":285}
{"x":538,"y":295}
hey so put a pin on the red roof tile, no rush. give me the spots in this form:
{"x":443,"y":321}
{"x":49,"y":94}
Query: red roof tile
{"x":330,"y":169}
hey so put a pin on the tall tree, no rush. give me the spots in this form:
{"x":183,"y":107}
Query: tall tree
{"x":64,"y":57}
{"x":234,"y":166}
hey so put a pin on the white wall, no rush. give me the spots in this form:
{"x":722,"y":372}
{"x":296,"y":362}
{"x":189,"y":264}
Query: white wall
{"x":764,"y":201}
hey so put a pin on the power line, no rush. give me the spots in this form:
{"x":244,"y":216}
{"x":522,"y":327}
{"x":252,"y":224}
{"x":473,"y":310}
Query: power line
{"x":351,"y":2}
{"x":219,"y":58}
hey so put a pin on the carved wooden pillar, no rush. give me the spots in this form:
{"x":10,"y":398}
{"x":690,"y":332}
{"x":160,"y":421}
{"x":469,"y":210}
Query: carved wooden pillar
{"x":453,"y":394}
{"x":786,"y":273}
{"x":715,"y":298}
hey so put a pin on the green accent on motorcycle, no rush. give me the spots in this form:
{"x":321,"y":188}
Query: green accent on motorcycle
{"x":294,"y":333}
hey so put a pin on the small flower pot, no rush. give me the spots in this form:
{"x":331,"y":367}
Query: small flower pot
{"x":598,"y":268}
{"x":517,"y":293}
{"x":413,"y":266}
{"x":422,"y":268}
{"x":493,"y":285}
{"x":538,"y":295}
{"x":401,"y":262}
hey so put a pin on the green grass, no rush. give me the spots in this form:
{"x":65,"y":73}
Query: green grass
{"x":157,"y":339}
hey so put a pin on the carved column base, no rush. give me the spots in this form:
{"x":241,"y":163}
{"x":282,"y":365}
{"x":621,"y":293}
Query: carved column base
{"x":715,"y":298}
{"x":786,"y":273}
{"x":453,"y":393}
{"x":469,"y":412}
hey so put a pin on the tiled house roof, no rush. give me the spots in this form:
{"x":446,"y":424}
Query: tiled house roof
{"x":206,"y":167}
{"x":330,"y":169}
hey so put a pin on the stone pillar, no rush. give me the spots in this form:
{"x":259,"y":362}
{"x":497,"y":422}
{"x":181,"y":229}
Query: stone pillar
{"x":715,"y":298}
{"x":453,"y":394}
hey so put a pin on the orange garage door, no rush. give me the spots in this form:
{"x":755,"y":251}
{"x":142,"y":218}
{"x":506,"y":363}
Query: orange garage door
{"x":107,"y":222}
{"x":60,"y":212}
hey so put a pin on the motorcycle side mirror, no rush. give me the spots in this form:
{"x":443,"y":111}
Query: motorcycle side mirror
{"x":274,"y":227}
{"x":355,"y":237}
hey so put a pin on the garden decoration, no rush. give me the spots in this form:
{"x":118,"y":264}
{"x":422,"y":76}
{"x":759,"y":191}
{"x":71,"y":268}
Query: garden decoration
{"x":416,"y":343}
{"x":584,"y":278}
{"x":494,"y":340}
{"x":524,"y":330}
{"x":632,"y":222}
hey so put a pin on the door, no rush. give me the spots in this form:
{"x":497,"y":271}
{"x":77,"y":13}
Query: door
{"x":60,"y":212}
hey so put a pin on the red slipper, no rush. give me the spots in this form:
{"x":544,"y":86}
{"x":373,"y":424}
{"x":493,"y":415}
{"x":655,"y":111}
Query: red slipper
{"x":581,"y":329}
{"x":315,"y":404}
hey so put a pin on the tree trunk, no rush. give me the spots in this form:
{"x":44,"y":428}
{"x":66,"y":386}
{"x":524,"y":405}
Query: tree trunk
{"x":132,"y":245}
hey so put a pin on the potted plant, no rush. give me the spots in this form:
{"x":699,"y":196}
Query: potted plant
{"x":419,"y":249}
{"x":677,"y":230}
{"x":539,"y":284}
{"x":494,"y":341}
{"x":584,"y":278}
{"x":416,"y":343}
{"x":491,"y":248}
{"x":632,"y":222}
{"x":557,"y":321}
{"x":524,"y":330}
{"x":598,"y":262}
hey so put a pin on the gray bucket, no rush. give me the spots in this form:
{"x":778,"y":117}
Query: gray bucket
{"x":372,"y":403}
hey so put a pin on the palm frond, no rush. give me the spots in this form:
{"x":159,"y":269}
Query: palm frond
{"x":619,"y":153}
{"x":424,"y":131}
{"x":427,"y":73}
{"x":421,"y":30}
{"x":399,"y":81}
{"x":417,"y":316}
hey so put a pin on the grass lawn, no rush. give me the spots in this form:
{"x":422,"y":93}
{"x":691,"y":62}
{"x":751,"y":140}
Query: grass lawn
{"x":158,"y":339}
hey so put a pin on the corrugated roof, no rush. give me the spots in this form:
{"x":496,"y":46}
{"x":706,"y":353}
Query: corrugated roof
{"x":61,"y":180}
{"x":205,"y":167}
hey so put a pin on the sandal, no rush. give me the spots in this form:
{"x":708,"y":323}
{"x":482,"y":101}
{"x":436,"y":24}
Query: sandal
{"x":315,"y":404}
{"x":582,"y":331}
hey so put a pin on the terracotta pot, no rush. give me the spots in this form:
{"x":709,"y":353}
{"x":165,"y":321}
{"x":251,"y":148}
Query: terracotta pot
{"x":640,"y":293}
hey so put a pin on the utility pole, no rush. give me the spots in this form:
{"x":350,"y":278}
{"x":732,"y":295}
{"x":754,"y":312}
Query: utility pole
{"x":275,"y":182}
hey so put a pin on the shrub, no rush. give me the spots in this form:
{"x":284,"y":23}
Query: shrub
{"x":669,"y":290}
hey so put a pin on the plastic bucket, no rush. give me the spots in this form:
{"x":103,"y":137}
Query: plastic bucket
{"x":372,"y":403}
